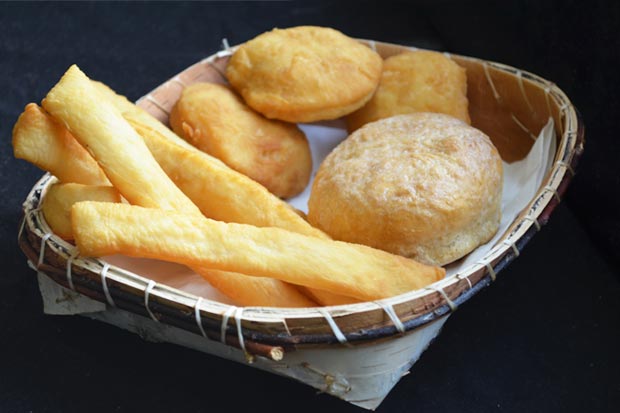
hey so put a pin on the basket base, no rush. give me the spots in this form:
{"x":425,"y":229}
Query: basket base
{"x":362,"y":375}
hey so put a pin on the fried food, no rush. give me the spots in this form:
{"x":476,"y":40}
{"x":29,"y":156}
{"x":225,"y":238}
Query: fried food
{"x":114,"y":144}
{"x":431,"y":188}
{"x":213,"y":118}
{"x":345,"y":269}
{"x":59,"y":199}
{"x":255,"y":291}
{"x":226,"y":195}
{"x":57,"y":203}
{"x":41,"y":140}
{"x":326,"y":297}
{"x":417,"y":81}
{"x":220,"y":192}
{"x":304,"y":74}
{"x":134,"y":171}
{"x":140,"y":116}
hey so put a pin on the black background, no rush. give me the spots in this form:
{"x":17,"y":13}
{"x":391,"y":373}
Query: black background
{"x":544,"y":337}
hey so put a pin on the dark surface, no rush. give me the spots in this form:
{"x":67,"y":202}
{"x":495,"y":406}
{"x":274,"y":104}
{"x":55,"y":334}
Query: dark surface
{"x":544,"y":337}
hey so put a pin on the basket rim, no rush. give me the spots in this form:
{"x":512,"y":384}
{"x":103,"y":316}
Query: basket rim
{"x":214,"y":315}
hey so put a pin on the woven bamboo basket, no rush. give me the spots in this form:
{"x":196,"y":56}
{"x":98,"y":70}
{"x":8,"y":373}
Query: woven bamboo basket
{"x":508,"y":104}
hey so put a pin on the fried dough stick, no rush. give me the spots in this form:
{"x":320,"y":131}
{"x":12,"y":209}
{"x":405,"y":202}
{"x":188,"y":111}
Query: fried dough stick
{"x":59,"y":199}
{"x":114,"y":144}
{"x":44,"y":142}
{"x":342,"y":268}
{"x":122,"y":154}
{"x":220,"y":192}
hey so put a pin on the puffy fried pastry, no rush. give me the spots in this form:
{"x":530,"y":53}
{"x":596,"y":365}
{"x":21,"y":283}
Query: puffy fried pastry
{"x":273,"y":153}
{"x":418,"y":81}
{"x":431,"y":188}
{"x":304,"y":74}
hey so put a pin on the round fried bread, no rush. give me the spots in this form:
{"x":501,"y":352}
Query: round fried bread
{"x":426,"y":186}
{"x":304,"y":74}
{"x":274,"y":153}
{"x":417,"y":81}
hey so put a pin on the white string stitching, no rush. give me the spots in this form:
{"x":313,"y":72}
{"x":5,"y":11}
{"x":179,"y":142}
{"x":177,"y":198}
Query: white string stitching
{"x":548,"y":188}
{"x":492,"y":272}
{"x":485,"y":66}
{"x":567,"y":166}
{"x":466,"y":278}
{"x":489,"y":269}
{"x":35,"y":211}
{"x":336,"y":330}
{"x":104,"y":283}
{"x":522,"y":126}
{"x":223,"y":53}
{"x":511,"y":245}
{"x":42,"y":249}
{"x":533,"y":220}
{"x":237,"y":317}
{"x":178,"y":80}
{"x":226,"y":47}
{"x":527,"y":100}
{"x":288,"y":331}
{"x":21,"y":229}
{"x":225,"y":318}
{"x":450,"y":303}
{"x":389,"y":310}
{"x":147,"y":292}
{"x":198,"y":318}
{"x":73,"y":255}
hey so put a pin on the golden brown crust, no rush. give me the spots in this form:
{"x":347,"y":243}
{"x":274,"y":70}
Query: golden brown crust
{"x":340,"y":268}
{"x":430,"y":189}
{"x":220,"y":193}
{"x":116,"y":146}
{"x":418,"y":81}
{"x":255,"y":291}
{"x":41,"y":140}
{"x":59,"y":199}
{"x":213,"y":118}
{"x":304,"y":74}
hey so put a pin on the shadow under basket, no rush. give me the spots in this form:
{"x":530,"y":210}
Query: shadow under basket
{"x":356,"y":352}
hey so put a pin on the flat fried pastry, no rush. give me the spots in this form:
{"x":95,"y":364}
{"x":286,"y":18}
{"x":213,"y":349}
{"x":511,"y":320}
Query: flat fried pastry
{"x":304,"y":74}
{"x":418,"y":81}
{"x":217,"y":121}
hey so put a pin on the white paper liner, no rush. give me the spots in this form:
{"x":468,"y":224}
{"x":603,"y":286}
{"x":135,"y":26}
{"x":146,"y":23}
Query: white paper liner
{"x":522,"y":179}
